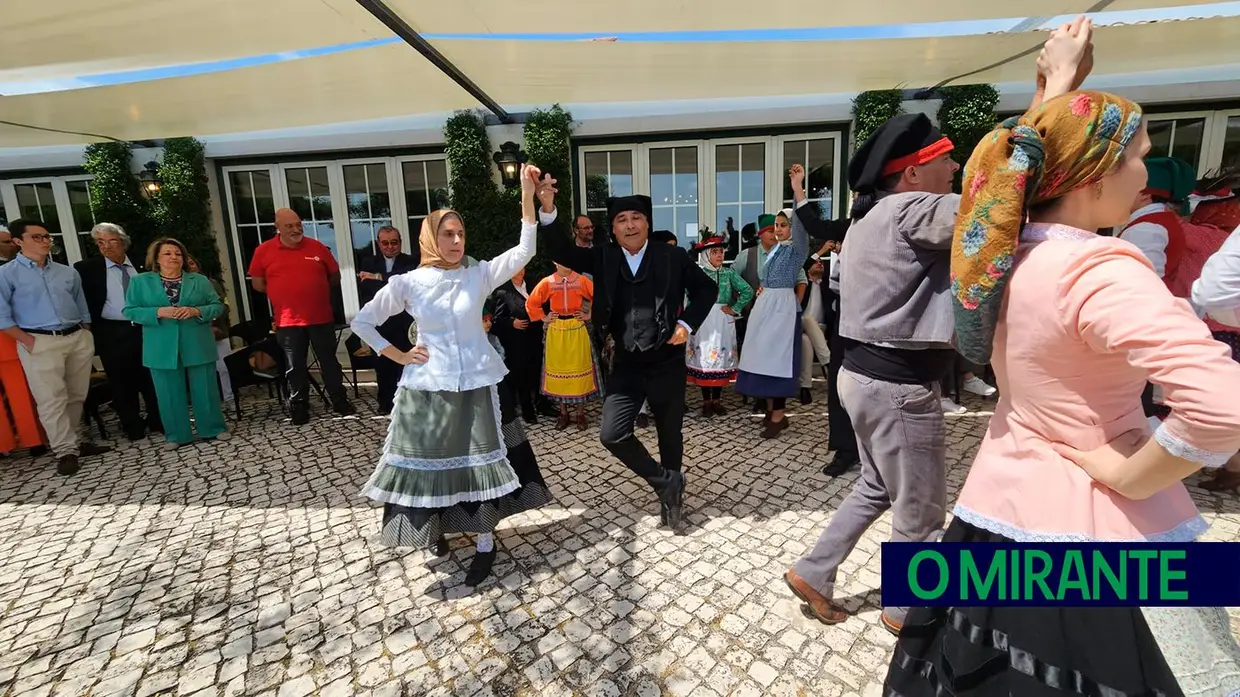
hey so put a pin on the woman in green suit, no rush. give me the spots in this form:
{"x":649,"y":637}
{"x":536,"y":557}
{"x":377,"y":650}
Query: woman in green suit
{"x":175,"y":309}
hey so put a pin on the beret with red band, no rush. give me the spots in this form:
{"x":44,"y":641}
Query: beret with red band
{"x":907,"y":140}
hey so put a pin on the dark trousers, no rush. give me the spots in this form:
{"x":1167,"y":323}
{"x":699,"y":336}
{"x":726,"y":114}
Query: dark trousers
{"x":841,"y":439}
{"x":658,"y":378}
{"x":296,"y":342}
{"x":119,"y":345}
{"x":387,"y":374}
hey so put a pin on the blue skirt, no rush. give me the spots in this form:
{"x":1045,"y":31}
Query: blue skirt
{"x":768,"y":387}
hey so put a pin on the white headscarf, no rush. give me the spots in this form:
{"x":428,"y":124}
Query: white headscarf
{"x":704,"y":260}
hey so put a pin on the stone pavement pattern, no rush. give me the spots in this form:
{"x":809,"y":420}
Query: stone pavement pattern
{"x":249,"y":568}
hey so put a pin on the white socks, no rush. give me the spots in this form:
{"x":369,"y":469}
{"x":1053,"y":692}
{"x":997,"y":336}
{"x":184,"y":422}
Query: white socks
{"x":486,"y":542}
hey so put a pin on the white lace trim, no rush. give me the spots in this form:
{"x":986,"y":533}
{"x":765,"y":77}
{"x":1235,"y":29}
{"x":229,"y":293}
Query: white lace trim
{"x":383,"y":496}
{"x":447,"y":463}
{"x":1179,"y":448}
{"x":1041,"y":232}
{"x":1187,"y":531}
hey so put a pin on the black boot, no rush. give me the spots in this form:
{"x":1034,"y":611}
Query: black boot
{"x":807,"y":397}
{"x":480,"y":568}
{"x":441,"y":547}
{"x":841,"y":464}
{"x":671,"y":500}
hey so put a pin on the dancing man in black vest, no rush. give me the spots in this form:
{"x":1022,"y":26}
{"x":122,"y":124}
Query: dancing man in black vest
{"x":638,"y":291}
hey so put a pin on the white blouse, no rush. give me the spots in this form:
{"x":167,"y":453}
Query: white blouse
{"x":447,"y":306}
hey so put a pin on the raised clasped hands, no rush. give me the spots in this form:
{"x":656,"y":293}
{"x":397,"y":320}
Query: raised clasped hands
{"x":546,"y":192}
{"x":1067,"y":58}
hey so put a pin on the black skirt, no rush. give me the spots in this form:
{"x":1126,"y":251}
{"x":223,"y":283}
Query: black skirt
{"x":1042,"y":651}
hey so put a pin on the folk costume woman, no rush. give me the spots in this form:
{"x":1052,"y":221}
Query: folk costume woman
{"x":570,"y":373}
{"x":712,"y":354}
{"x":770,"y":364}
{"x":446,"y":465}
{"x":1077,"y":323}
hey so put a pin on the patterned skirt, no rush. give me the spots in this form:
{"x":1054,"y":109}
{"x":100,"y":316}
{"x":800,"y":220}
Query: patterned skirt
{"x":1232,"y":339}
{"x":571,"y":373}
{"x":452,"y":463}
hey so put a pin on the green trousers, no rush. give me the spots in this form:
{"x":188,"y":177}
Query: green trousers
{"x":174,"y":402}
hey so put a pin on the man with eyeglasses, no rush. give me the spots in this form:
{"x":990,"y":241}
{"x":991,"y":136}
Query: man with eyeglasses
{"x":42,"y":306}
{"x":374,"y":272}
{"x":583,"y":231}
{"x":105,"y":280}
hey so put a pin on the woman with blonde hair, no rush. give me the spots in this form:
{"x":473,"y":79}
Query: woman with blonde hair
{"x":449,"y":464}
{"x":1074,"y":324}
{"x":175,"y":308}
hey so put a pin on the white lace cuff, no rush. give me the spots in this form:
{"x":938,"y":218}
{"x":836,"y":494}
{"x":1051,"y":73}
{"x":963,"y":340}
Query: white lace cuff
{"x":1187,"y":451}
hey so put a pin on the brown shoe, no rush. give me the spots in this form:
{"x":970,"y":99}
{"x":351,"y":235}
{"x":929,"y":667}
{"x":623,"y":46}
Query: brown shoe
{"x":719,"y":409}
{"x":562,"y":422}
{"x":581,"y":422}
{"x":708,"y":409}
{"x":1223,"y":480}
{"x":818,"y":605}
{"x":889,"y":624}
{"x":774,"y":428}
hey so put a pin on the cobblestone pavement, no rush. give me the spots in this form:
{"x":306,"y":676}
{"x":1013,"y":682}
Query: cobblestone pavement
{"x":249,"y":568}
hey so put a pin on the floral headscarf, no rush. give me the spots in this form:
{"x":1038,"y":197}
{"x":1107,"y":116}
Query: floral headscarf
{"x":1064,"y":144}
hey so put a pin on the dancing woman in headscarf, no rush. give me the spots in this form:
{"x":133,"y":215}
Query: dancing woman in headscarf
{"x":1076,"y":322}
{"x":712,"y":354}
{"x":446,"y":465}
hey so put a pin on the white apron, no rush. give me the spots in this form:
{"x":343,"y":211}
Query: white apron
{"x":712,"y":348}
{"x":771,"y":331}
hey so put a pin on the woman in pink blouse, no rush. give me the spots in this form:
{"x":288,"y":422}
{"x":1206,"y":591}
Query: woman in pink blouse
{"x":1077,"y":323}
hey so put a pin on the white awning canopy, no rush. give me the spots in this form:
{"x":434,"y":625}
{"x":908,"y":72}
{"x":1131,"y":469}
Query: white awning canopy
{"x":61,"y":39}
{"x":394,"y":80}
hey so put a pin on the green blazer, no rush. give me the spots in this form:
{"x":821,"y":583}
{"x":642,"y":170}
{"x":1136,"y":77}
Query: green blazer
{"x":164,"y":340}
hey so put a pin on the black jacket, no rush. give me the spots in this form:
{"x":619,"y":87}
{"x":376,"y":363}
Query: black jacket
{"x":94,"y":274}
{"x":522,"y":347}
{"x":396,"y":329}
{"x":675,"y":275}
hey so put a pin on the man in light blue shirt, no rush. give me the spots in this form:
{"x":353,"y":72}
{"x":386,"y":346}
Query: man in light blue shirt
{"x":42,"y":306}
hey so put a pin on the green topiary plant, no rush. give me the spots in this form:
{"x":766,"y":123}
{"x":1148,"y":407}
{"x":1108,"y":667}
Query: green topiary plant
{"x":546,"y":135}
{"x":116,"y":194}
{"x":872,"y":109}
{"x":966,"y":115}
{"x":490,"y":215}
{"x":182,"y":207}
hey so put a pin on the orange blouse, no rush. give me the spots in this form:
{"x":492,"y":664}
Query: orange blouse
{"x":567,"y":295}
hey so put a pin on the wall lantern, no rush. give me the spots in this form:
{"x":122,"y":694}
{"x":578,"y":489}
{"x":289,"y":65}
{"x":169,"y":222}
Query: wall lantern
{"x":149,"y":179}
{"x":509,"y":160}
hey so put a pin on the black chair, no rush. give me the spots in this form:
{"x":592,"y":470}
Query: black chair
{"x":360,"y":358}
{"x":98,"y":394}
{"x":242,"y":374}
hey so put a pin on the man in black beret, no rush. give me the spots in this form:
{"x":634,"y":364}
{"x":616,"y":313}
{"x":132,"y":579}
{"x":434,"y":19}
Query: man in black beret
{"x":639,"y":291}
{"x":896,"y":326}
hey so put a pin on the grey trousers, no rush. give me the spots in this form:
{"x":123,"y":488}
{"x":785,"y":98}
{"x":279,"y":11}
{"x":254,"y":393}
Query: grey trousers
{"x":902,"y":442}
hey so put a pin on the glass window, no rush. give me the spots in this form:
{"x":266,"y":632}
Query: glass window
{"x":674,"y":192}
{"x":608,"y":173}
{"x":817,"y":156}
{"x":309,"y":195}
{"x":83,"y":216}
{"x":740,"y":188}
{"x":1180,"y":138}
{"x":366,"y":191}
{"x":37,"y":201}
{"x":1231,"y":143}
{"x":253,"y":212}
{"x":426,"y":189}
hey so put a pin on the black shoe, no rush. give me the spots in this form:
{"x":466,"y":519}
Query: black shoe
{"x":546,"y":409}
{"x":662,"y":514}
{"x":642,"y":421}
{"x":529,"y":417}
{"x":155,"y":426}
{"x":841,"y":464}
{"x":807,"y":397}
{"x":672,"y":499}
{"x":135,"y":435}
{"x":759,"y":405}
{"x":480,"y":568}
{"x":88,"y":449}
{"x":68,"y":465}
{"x":301,"y":415}
{"x":38,"y":451}
{"x":385,"y":410}
{"x":441,"y":547}
{"x":344,"y":409}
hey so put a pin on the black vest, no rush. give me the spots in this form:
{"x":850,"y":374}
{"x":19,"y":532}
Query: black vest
{"x":635,"y":321}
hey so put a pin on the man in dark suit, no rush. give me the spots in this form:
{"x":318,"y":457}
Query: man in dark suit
{"x":639,"y":288}
{"x":373,"y":274}
{"x":118,"y":342}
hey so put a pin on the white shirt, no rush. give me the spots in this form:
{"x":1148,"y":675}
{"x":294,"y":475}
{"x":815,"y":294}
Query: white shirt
{"x":389,"y":263}
{"x":447,"y":306}
{"x":813,"y":308}
{"x":525,"y":293}
{"x":115,"y":302}
{"x":1150,"y":238}
{"x":1217,"y":291}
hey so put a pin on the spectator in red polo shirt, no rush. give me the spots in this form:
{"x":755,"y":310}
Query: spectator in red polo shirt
{"x":297,"y":274}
